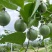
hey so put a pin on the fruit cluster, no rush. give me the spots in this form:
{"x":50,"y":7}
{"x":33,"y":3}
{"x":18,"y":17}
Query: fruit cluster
{"x":22,"y":24}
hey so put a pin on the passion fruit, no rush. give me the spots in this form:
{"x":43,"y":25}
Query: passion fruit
{"x":4,"y":18}
{"x":44,"y":30}
{"x":32,"y":34}
{"x":50,"y":26}
{"x":42,"y":8}
{"x":20,"y":25}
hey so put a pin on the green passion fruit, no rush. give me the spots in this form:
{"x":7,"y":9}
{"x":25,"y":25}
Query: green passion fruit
{"x":42,"y":8}
{"x":4,"y":18}
{"x":20,"y":25}
{"x":32,"y":34}
{"x":44,"y":30}
{"x":50,"y":26}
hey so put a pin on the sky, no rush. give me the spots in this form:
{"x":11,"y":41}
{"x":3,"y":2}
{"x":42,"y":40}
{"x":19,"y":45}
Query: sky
{"x":51,"y":1}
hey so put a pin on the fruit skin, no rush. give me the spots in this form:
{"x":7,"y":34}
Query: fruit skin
{"x":4,"y":18}
{"x":20,"y":25}
{"x":32,"y":34}
{"x":44,"y":30}
{"x":42,"y":8}
{"x":50,"y":26}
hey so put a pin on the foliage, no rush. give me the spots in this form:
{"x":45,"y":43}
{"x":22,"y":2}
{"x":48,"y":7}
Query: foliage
{"x":2,"y":49}
{"x":16,"y":37}
{"x":32,"y":13}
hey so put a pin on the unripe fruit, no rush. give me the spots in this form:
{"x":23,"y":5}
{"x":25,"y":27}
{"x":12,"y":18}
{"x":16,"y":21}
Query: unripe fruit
{"x":50,"y":26}
{"x":4,"y":18}
{"x":42,"y":8}
{"x":20,"y":25}
{"x":32,"y":34}
{"x":44,"y":30}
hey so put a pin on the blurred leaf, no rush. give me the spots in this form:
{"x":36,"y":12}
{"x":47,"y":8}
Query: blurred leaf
{"x":50,"y":35}
{"x":31,"y":47}
{"x":22,"y":49}
{"x":48,"y":2}
{"x":46,"y":14}
{"x":33,"y":22}
{"x":18,"y":2}
{"x":26,"y":13}
{"x":42,"y":44}
{"x":16,"y":37}
{"x":30,"y":0}
{"x":8,"y":4}
{"x":1,"y":6}
{"x":37,"y":3}
{"x":50,"y":8}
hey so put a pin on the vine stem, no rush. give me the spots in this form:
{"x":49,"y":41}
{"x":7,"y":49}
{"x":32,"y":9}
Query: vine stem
{"x":27,"y":46}
{"x":45,"y":47}
{"x":37,"y":48}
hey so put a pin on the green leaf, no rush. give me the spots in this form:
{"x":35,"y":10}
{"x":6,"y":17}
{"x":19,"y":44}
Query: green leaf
{"x":16,"y":37}
{"x":26,"y":13}
{"x":30,"y":0}
{"x":48,"y":2}
{"x":50,"y":35}
{"x":42,"y":44}
{"x":1,"y":6}
{"x":33,"y":22}
{"x":50,"y":8}
{"x":46,"y":37}
{"x":22,"y":49}
{"x":37,"y":3}
{"x":18,"y":2}
{"x":8,"y":4}
{"x":46,"y":14}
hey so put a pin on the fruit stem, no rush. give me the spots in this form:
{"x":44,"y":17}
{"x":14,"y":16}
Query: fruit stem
{"x":41,"y":16}
{"x":37,"y":49}
{"x":45,"y":47}
{"x":27,"y":46}
{"x":17,"y":10}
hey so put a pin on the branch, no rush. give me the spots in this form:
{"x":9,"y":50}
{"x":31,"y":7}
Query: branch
{"x":45,"y":47}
